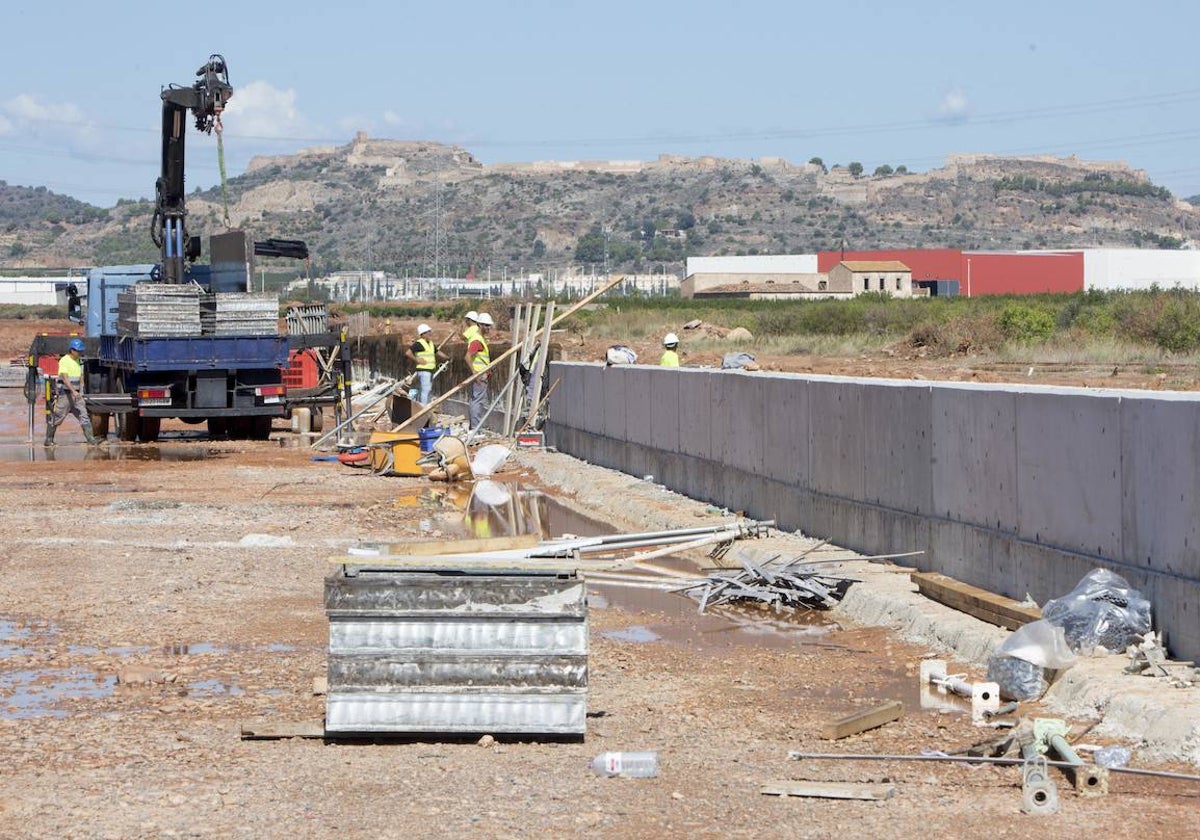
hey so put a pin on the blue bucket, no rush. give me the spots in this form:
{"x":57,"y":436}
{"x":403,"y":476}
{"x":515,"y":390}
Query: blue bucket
{"x":428,"y":437}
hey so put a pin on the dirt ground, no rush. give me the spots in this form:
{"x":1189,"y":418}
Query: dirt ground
{"x":154,"y":598}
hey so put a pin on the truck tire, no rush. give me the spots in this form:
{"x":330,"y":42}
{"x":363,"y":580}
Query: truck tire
{"x":99,"y":424}
{"x":129,"y":426}
{"x":316,"y":421}
{"x":260,"y":428}
{"x":218,"y":428}
{"x":150,"y":429}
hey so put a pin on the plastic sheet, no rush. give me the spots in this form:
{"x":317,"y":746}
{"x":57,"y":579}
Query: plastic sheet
{"x":1102,"y":614}
{"x":1022,"y":665}
{"x":1016,"y":678}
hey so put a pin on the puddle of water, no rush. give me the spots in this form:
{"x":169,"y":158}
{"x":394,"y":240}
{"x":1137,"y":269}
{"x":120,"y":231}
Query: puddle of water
{"x":636,"y":634}
{"x":112,"y":451}
{"x":22,"y":638}
{"x":31,"y":694}
{"x":212,"y":688}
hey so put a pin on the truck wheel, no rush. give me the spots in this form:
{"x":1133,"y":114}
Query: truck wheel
{"x":316,"y":421}
{"x":150,"y":429}
{"x":99,"y":424}
{"x":260,"y":428}
{"x":130,"y":425}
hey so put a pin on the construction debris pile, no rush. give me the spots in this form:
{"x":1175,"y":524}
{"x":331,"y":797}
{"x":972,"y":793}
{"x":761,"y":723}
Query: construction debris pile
{"x":1102,"y":614}
{"x":772,"y":581}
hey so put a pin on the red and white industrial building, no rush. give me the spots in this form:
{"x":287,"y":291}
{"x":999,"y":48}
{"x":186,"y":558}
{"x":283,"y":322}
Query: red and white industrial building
{"x":945,"y":271}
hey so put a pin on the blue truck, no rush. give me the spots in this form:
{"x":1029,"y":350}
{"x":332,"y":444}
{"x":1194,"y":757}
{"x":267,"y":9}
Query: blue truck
{"x":135,"y":378}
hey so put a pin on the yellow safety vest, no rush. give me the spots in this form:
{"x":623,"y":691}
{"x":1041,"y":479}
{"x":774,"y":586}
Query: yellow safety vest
{"x":68,"y":367}
{"x":472,"y":331}
{"x":483,"y":358}
{"x":427,"y":356}
{"x":669,"y":359}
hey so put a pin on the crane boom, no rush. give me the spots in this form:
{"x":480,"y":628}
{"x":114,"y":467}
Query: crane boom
{"x":206,"y":99}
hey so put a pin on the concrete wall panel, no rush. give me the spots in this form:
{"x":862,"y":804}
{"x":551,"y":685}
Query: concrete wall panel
{"x":1068,"y":471}
{"x":836,"y":437}
{"x":613,"y":381}
{"x":695,"y":410}
{"x":593,"y":398}
{"x":737,"y":420}
{"x":664,"y":408}
{"x":639,"y":404}
{"x":898,"y":463}
{"x":1160,"y":481}
{"x":974,"y":450}
{"x":786,"y":444}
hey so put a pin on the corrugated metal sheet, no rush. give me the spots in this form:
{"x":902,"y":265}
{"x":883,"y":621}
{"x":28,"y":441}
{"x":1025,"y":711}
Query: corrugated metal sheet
{"x":925,"y":263}
{"x":1021,"y":273}
{"x":423,"y":652}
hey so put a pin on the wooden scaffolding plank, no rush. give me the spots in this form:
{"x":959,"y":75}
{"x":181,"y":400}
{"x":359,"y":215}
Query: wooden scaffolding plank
{"x":984,"y":605}
{"x":864,"y":720}
{"x":269,"y":730}
{"x":828,"y":790}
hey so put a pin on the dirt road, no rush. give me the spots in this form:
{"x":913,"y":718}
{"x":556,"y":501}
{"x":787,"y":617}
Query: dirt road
{"x":155,"y":597}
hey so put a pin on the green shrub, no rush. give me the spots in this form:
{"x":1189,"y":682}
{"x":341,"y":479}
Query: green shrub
{"x":1026,"y":323}
{"x":1177,"y":327}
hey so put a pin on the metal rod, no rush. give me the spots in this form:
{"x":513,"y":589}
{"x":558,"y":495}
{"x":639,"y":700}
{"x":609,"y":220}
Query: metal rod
{"x":965,"y":759}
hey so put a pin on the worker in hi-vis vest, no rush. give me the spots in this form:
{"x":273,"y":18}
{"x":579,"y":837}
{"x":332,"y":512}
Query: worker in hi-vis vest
{"x":670,"y":356}
{"x":67,"y":396}
{"x":424,"y":354}
{"x":472,"y":328}
{"x":479,"y":356}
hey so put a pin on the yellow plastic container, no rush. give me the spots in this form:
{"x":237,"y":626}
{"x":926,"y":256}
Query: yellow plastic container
{"x":395,"y":453}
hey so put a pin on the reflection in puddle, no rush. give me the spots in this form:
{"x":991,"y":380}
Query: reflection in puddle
{"x":111,"y":451}
{"x":213,"y":688}
{"x":636,"y":634}
{"x":20,"y":638}
{"x":29,"y":694}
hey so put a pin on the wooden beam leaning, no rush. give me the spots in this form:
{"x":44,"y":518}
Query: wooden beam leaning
{"x":503,"y":357}
{"x":984,"y":605}
{"x":862,"y":721}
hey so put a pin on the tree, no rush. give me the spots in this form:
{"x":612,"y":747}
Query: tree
{"x":590,"y":247}
{"x":855,"y":168}
{"x":539,"y":249}
{"x":816,"y":161}
{"x":902,"y":169}
{"x":883,"y":170}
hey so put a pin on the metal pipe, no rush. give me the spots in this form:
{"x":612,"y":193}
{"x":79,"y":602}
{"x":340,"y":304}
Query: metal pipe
{"x":965,"y":759}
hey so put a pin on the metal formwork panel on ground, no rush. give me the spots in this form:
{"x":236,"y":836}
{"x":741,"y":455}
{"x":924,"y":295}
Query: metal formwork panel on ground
{"x":456,"y":652}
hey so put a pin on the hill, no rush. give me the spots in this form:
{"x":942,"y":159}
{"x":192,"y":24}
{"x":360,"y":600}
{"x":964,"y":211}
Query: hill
{"x":404,"y":206}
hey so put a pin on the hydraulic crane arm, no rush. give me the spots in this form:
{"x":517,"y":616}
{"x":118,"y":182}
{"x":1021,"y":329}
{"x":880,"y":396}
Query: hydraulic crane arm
{"x":206,"y":100}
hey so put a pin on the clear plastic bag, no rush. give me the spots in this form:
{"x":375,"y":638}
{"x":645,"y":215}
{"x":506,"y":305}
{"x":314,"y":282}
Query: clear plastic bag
{"x":1022,"y":665}
{"x":1103,"y":612}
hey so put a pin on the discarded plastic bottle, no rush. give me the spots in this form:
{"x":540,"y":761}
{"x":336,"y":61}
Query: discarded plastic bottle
{"x":631,"y":765}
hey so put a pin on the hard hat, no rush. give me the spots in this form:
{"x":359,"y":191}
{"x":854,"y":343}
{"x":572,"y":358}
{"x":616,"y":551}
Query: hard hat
{"x":670,"y":339}
{"x":485,"y":319}
{"x":423,"y":328}
{"x":472,"y":316}
{"x":77,"y":344}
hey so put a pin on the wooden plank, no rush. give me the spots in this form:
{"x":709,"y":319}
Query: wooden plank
{"x":828,"y":790}
{"x":478,"y":562}
{"x":864,"y":720}
{"x":985,"y":605}
{"x":425,"y":548}
{"x":269,"y":730}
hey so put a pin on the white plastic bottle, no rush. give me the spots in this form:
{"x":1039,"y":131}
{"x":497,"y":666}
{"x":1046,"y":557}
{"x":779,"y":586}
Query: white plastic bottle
{"x":631,"y":765}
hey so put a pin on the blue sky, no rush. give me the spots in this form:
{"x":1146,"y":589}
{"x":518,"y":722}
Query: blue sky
{"x":880,"y":83}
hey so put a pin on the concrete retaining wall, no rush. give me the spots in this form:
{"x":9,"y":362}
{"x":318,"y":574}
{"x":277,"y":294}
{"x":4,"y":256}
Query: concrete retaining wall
{"x":1017,"y":489}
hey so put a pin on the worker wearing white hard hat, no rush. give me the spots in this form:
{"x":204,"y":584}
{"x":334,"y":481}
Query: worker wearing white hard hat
{"x":423,"y":353}
{"x":670,"y":356}
{"x":472,"y":327}
{"x":479,"y":357}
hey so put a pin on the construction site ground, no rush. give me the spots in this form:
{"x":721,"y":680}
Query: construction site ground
{"x":155,"y":598}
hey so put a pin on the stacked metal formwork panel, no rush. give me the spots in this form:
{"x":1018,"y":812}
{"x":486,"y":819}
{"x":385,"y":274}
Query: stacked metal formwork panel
{"x":312,"y":319}
{"x":154,"y":309}
{"x":461,"y":652}
{"x":240,"y":313}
